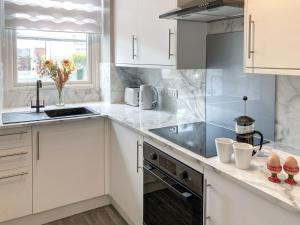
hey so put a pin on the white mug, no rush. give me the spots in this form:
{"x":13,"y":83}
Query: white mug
{"x":224,"y":149}
{"x":243,"y":154}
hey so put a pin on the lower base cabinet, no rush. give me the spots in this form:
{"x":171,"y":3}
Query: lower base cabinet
{"x":68,"y":162}
{"x":126,"y":173}
{"x":15,"y":193}
{"x":230,"y":204}
{"x":69,"y":167}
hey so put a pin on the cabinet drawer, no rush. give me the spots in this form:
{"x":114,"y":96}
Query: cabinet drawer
{"x":15,"y":193}
{"x":15,"y":158}
{"x":15,"y":138}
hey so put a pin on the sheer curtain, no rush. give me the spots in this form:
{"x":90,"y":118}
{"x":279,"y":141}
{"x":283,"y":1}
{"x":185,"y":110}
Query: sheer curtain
{"x":54,"y":15}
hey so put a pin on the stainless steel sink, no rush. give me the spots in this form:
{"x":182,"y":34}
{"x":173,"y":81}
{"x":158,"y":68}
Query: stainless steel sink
{"x":68,"y":112}
{"x":25,"y":117}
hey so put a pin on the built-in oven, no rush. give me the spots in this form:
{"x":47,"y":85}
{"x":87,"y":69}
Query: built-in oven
{"x":173,"y":192}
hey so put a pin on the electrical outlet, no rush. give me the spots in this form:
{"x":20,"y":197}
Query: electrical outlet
{"x":172,"y":93}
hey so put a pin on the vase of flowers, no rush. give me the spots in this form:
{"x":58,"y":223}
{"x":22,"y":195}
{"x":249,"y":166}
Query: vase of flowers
{"x":59,"y":73}
{"x":60,"y":97}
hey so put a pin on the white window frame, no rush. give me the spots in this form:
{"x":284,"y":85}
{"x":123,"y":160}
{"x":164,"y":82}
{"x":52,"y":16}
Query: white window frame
{"x":13,"y":83}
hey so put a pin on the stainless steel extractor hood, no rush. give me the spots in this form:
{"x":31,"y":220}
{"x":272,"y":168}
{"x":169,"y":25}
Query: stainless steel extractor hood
{"x":207,"y":10}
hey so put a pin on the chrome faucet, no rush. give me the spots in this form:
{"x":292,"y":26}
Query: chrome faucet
{"x":37,"y":106}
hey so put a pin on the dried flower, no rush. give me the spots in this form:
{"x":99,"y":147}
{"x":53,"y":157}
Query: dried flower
{"x":68,"y":64}
{"x":48,"y":64}
{"x":59,"y":74}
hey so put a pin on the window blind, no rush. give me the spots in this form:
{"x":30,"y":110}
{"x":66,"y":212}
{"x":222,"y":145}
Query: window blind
{"x":54,"y":15}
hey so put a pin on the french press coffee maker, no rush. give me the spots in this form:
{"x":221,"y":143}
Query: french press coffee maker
{"x":245,"y":128}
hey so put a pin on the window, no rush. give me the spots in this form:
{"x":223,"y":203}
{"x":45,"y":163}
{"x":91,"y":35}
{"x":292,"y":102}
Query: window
{"x":35,"y":45}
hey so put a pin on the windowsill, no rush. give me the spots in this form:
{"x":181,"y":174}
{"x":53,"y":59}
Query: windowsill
{"x":49,"y":86}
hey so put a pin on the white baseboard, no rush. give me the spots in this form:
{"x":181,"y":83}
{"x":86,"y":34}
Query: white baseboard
{"x":62,"y":212}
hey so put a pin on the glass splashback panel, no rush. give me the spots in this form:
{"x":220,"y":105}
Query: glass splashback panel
{"x":227,"y":84}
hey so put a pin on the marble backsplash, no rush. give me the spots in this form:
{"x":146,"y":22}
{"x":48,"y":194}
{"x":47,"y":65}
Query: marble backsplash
{"x":189,"y":83}
{"x":287,"y":113}
{"x":23,"y":97}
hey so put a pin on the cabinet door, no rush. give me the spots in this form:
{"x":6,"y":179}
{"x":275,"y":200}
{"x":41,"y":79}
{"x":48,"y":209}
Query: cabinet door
{"x":231,"y":204}
{"x":272,"y":33}
{"x":126,"y":176}
{"x":68,"y":163}
{"x":156,"y":37}
{"x":15,"y":193}
{"x":125,"y":23}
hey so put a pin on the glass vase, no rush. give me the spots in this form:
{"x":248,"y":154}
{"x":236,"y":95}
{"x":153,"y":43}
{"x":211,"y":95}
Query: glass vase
{"x":60,"y":98}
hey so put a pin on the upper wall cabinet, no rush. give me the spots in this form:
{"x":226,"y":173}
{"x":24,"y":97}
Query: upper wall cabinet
{"x":272,"y":37}
{"x":125,"y":24}
{"x":144,"y":40}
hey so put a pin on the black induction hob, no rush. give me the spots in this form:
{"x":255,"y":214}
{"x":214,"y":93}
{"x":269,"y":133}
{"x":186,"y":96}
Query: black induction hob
{"x":197,"y":137}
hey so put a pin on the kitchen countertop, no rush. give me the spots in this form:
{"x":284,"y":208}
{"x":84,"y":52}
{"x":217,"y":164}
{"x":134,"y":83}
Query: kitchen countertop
{"x":254,"y":179}
{"x":132,"y":117}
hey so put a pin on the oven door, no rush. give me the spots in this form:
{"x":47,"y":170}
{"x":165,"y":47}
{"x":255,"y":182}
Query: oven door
{"x":167,"y":202}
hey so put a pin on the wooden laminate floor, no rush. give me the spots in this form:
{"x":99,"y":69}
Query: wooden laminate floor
{"x":102,"y":216}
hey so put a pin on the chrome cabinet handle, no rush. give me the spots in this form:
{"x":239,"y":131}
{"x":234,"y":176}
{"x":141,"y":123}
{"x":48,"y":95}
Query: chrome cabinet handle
{"x":16,"y":133}
{"x":14,"y":154}
{"x":38,"y":145}
{"x":134,"y":55}
{"x":13,"y":175}
{"x":138,"y":145}
{"x":205,"y":217}
{"x":250,"y":37}
{"x":170,"y":34}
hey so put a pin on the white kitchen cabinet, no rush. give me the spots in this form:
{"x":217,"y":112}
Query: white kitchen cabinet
{"x":148,"y":41}
{"x":15,"y":193}
{"x":15,"y":173}
{"x":15,"y":158}
{"x":156,"y":38}
{"x":229,"y":203}
{"x":68,"y":163}
{"x":15,"y":148}
{"x":15,"y":138}
{"x":272,"y":37}
{"x":125,"y":25}
{"x":126,"y":173}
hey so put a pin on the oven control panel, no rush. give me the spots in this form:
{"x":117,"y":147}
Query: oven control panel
{"x":167,"y":165}
{"x":179,"y":171}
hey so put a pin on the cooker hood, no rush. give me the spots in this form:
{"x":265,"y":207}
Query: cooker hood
{"x":207,"y":10}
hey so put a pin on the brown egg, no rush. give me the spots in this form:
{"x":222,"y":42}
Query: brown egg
{"x":274,"y":160}
{"x":291,"y":162}
{"x":275,"y":168}
{"x":291,"y":166}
